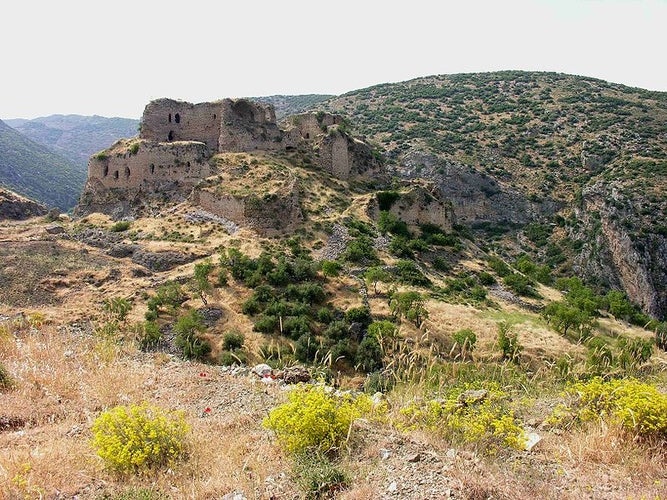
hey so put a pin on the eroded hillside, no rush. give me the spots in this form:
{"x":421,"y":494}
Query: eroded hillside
{"x":576,"y":163}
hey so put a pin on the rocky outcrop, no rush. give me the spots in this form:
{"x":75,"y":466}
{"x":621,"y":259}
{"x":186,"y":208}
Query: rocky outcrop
{"x":418,"y":205}
{"x":475,"y":197}
{"x":616,"y":255}
{"x":16,"y":207}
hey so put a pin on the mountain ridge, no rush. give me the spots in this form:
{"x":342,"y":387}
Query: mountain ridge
{"x":35,"y":171}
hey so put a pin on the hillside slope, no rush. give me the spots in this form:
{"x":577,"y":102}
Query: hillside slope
{"x":286,"y":105}
{"x":16,"y":207}
{"x":572,"y":169}
{"x":35,"y":171}
{"x":75,"y":137}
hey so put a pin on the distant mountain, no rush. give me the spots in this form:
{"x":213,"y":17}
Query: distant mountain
{"x":76,"y":137}
{"x":35,"y":171}
{"x":286,"y":105}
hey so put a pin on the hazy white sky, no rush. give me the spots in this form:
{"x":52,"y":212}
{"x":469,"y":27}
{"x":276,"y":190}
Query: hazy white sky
{"x":112,"y":57}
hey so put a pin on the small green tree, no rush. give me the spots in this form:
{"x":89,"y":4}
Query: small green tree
{"x":508,"y":341}
{"x":464,"y":342}
{"x":187,"y":328}
{"x":375,"y":275}
{"x":567,"y":318}
{"x":200,"y":283}
{"x":409,"y":305}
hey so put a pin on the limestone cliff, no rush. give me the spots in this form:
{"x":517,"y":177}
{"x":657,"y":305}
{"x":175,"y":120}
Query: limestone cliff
{"x":617,"y":257}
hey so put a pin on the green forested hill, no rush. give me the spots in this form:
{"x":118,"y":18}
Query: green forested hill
{"x":570,"y":168}
{"x":35,"y":171}
{"x":76,"y":137}
{"x":286,"y":105}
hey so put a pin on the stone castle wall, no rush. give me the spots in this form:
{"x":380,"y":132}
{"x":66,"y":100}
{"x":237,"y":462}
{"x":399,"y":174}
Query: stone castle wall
{"x":143,"y":164}
{"x":418,"y":206}
{"x":248,"y":126}
{"x":168,"y":120}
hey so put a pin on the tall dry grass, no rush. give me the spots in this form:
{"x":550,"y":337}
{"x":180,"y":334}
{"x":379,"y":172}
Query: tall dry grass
{"x":65,"y":377}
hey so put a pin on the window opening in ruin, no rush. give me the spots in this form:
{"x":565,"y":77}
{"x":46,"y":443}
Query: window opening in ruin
{"x":169,"y":117}
{"x":215,"y":116}
{"x":115,"y":174}
{"x":307,"y":135}
{"x":170,"y":137}
{"x":152,"y":168}
{"x":127,"y":171}
{"x":106,"y":170}
{"x":177,"y":118}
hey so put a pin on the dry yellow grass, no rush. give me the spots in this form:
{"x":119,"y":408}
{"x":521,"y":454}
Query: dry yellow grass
{"x":62,"y":382}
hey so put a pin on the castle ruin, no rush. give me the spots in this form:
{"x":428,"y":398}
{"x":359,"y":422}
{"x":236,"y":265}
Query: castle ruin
{"x":177,"y":141}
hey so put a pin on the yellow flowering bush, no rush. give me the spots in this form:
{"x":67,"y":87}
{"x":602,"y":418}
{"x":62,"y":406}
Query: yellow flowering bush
{"x":636,"y":406}
{"x":469,"y":416}
{"x":315,"y":419}
{"x":139,"y":437}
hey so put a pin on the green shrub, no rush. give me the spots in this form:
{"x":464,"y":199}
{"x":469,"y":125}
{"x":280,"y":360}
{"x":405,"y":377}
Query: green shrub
{"x":508,"y":342}
{"x":379,"y":381}
{"x":359,"y":315}
{"x":468,"y":415}
{"x":369,"y":354}
{"x":306,"y":348}
{"x":120,"y":226}
{"x":637,"y":407}
{"x":317,"y":476}
{"x":233,"y":340}
{"x":187,"y":328}
{"x":229,"y":358}
{"x":169,"y":295}
{"x":520,"y":284}
{"x":139,"y":437}
{"x":486,"y":279}
{"x":661,"y":335}
{"x":600,"y":356}
{"x":633,"y":353}
{"x":148,"y":335}
{"x":464,"y":342}
{"x":499,"y":267}
{"x":383,"y":330}
{"x":409,"y":274}
{"x":440,"y":264}
{"x":315,"y":419}
{"x":117,"y":307}
{"x":386,"y":199}
{"x":330,"y":268}
{"x":390,"y":223}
